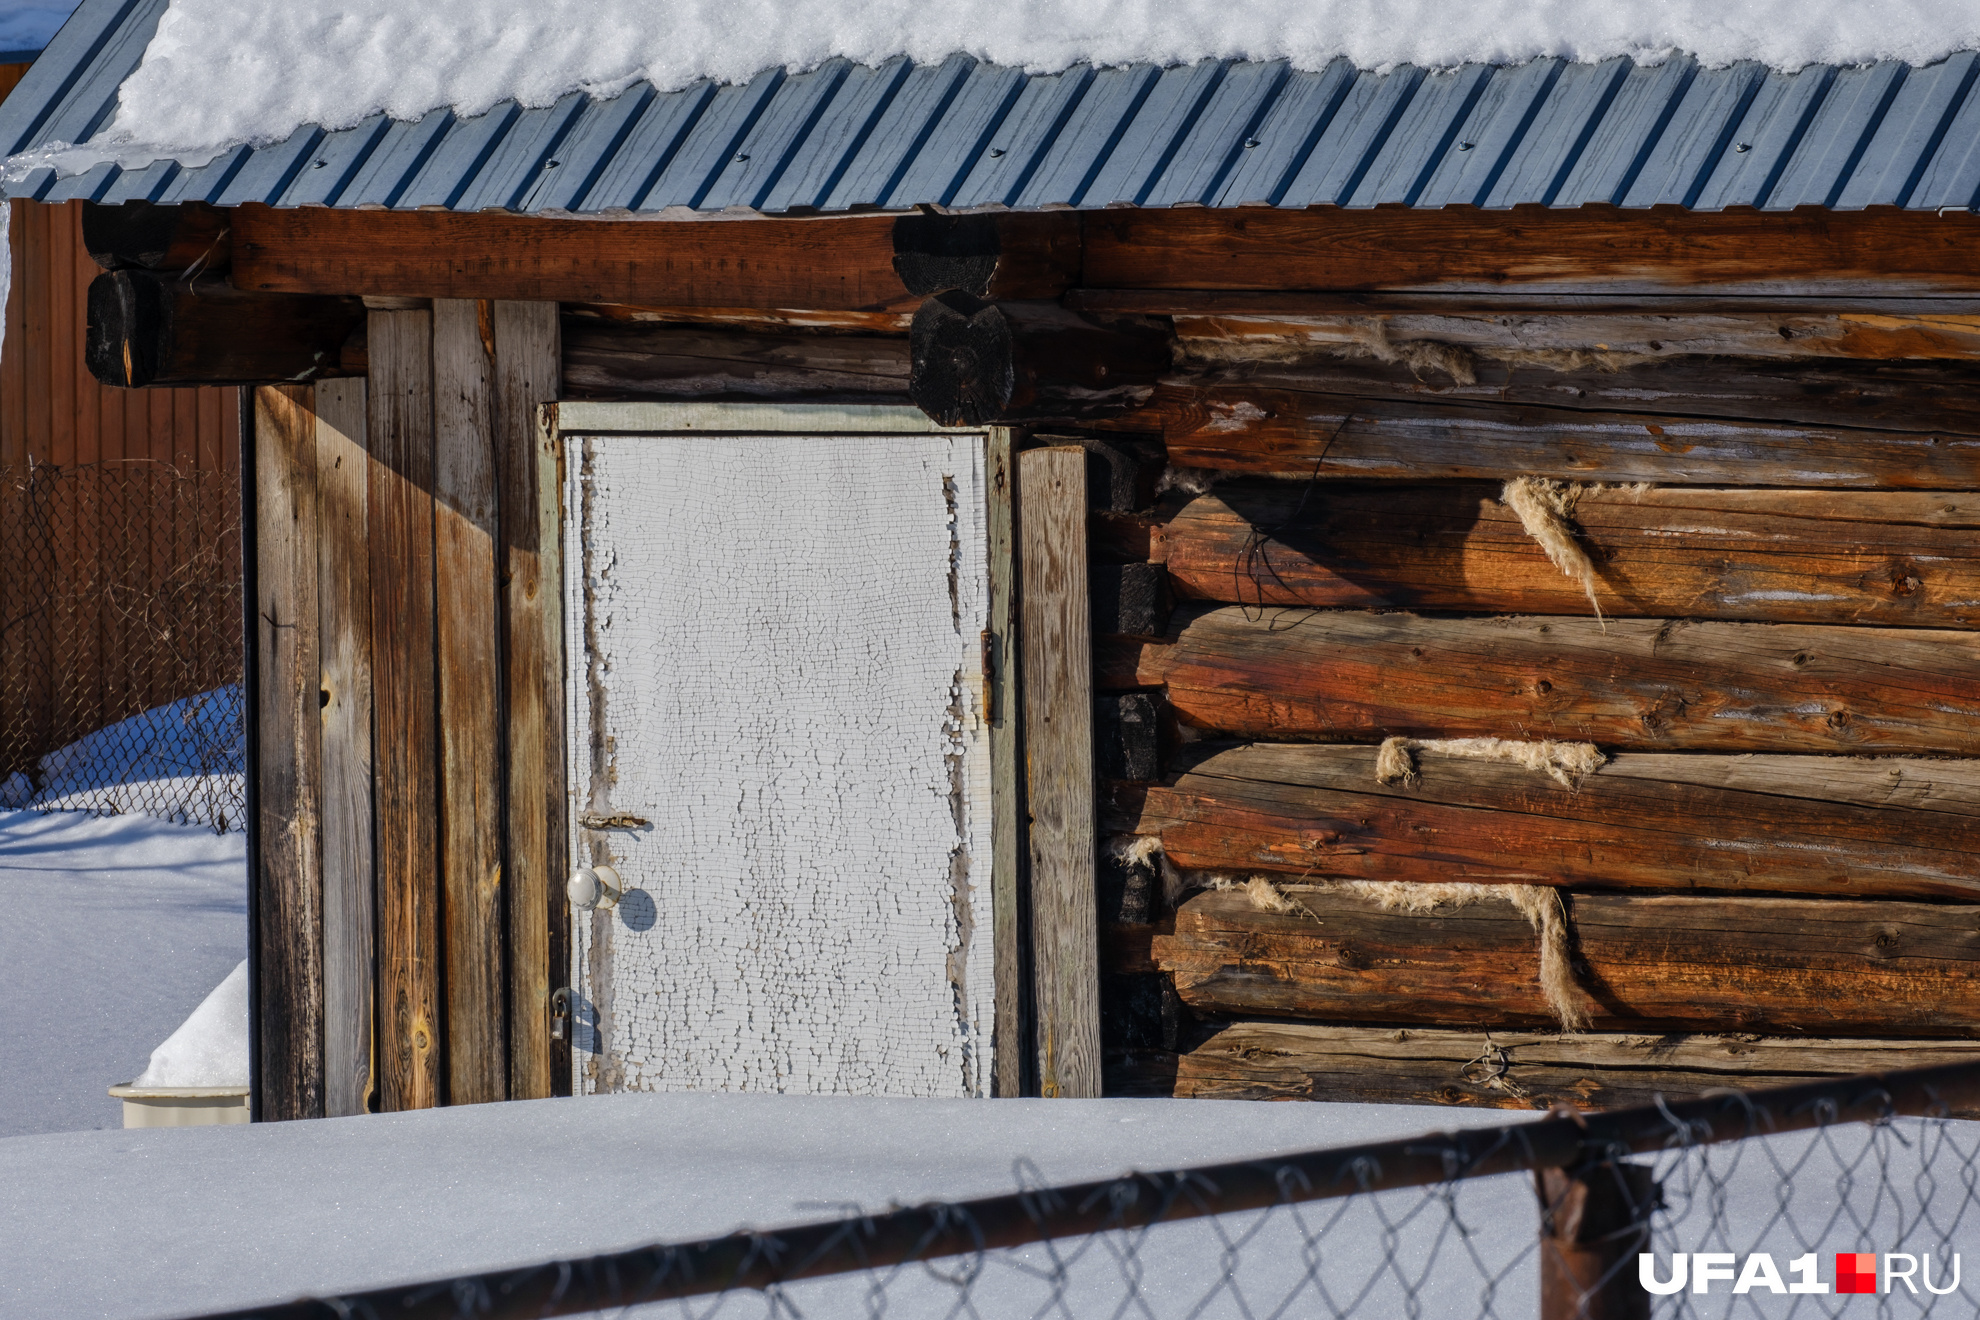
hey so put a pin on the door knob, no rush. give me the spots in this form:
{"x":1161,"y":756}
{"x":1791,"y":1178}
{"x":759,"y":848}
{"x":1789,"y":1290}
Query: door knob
{"x":594,"y":887}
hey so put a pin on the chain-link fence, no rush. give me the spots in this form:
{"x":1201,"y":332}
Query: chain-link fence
{"x":120,"y":639}
{"x":1776,"y":1203}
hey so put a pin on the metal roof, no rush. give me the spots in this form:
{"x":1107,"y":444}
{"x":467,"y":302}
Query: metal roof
{"x":970,"y":135}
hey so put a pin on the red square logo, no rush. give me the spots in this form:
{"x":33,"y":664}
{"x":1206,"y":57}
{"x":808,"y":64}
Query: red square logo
{"x":1856,"y":1271}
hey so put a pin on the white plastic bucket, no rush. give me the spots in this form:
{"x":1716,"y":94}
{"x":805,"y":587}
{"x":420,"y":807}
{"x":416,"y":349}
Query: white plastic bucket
{"x":181,"y":1106}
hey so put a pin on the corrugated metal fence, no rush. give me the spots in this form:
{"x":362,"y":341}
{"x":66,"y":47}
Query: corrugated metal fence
{"x":120,"y":555}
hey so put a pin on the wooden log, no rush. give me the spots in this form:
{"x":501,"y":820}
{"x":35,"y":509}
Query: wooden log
{"x":1337,"y":676}
{"x":1568,"y":341}
{"x":1559,"y":339}
{"x":469,"y":715}
{"x":1645,"y":820}
{"x":826,"y":264}
{"x":151,"y":329}
{"x":535,"y":861}
{"x":1058,"y":757}
{"x":1790,"y":556}
{"x":147,"y":236}
{"x":974,"y":362}
{"x":1648,"y":964}
{"x":642,"y":360}
{"x":1523,"y":300}
{"x":1531,"y":249}
{"x":399,"y":506}
{"x":763,"y":320}
{"x":343,"y":576}
{"x":1258,"y":426}
{"x":288,"y":771}
{"x":1522,"y":1070}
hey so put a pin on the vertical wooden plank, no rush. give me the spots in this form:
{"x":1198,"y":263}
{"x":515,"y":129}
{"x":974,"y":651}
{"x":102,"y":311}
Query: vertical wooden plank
{"x":528,"y":368}
{"x":16,"y":576}
{"x":1009,"y":1039}
{"x":343,"y":572}
{"x":464,"y":509}
{"x":405,"y":754}
{"x":1058,"y":747}
{"x":289,"y":901}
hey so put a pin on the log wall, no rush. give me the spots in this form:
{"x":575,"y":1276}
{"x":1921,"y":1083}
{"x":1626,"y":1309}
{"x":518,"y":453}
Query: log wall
{"x":1769,"y":867}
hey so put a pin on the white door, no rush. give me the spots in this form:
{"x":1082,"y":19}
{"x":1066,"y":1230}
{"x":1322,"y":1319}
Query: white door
{"x":775,"y":623}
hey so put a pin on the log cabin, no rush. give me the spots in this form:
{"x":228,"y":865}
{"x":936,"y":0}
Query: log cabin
{"x":1210,"y":580}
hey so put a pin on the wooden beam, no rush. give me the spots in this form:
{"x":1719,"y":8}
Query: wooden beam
{"x":1058,"y":752}
{"x":526,"y":371}
{"x":643,"y":360}
{"x":1660,"y":963}
{"x":288,"y":774}
{"x":1793,"y":556}
{"x":1522,"y":1070}
{"x":470,"y":685}
{"x":1645,"y":820}
{"x":343,"y":575}
{"x":1010,"y":933}
{"x":974,"y":362}
{"x":1249,"y":422}
{"x":1531,"y":249}
{"x":147,"y":328}
{"x":854,"y":264}
{"x":406,"y":747}
{"x":1293,"y":675}
{"x":147,"y":236}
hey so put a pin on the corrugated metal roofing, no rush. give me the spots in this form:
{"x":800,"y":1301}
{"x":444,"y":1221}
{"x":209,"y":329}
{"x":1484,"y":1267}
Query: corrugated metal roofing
{"x":968,"y":135}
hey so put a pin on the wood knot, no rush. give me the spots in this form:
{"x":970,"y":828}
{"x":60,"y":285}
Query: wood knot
{"x":1903,"y":582}
{"x":1543,"y":687}
{"x":1838,"y":719}
{"x":1348,"y":957}
{"x":1887,"y":939}
{"x":1802,"y":657}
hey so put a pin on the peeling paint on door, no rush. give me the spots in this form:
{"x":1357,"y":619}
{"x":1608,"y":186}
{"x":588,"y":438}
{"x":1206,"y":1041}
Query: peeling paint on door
{"x":776,"y":689}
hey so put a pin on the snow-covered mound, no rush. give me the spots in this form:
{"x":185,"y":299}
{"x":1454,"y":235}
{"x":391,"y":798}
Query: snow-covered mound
{"x":210,"y":1048}
{"x":220,"y":72}
{"x":184,"y":762}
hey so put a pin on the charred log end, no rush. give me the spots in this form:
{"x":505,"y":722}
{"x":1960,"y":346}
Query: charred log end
{"x":1127,"y":735}
{"x":147,"y":236}
{"x":961,"y":360}
{"x":115,"y":349}
{"x":146,"y":328}
{"x":933,"y":253}
{"x":1130,"y":600}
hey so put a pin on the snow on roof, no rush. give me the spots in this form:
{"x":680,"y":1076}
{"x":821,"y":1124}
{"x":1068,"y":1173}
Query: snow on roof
{"x":565,"y":107}
{"x":221,"y":72}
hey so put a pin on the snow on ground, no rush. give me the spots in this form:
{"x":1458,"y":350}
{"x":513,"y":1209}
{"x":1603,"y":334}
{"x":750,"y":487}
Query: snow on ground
{"x":219,"y":72}
{"x":112,"y":930}
{"x":158,"y":1222}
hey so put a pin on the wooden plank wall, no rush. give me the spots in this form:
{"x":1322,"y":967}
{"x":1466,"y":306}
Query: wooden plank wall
{"x":52,"y":412}
{"x":411,"y":818}
{"x":1786,"y":627}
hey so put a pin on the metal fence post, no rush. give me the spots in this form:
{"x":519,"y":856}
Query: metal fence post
{"x":1594,"y":1220}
